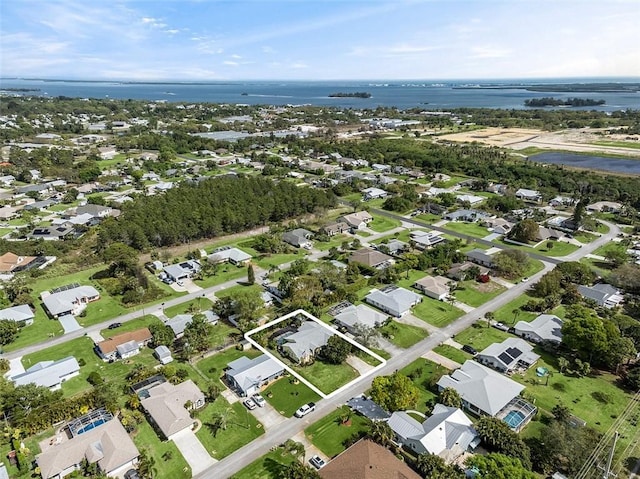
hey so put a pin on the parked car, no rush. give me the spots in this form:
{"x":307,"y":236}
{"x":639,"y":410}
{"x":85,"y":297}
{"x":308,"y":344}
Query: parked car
{"x":501,"y":326}
{"x":305,"y":409}
{"x":250,"y":404}
{"x":131,"y":474}
{"x":317,"y":462}
{"x":469,"y":349}
{"x":525,"y":279}
{"x":115,"y":325}
{"x":167,"y":280}
{"x":259,"y":400}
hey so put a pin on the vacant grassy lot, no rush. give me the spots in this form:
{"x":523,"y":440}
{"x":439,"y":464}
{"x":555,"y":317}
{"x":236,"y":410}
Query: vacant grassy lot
{"x":214,"y":366}
{"x":471,"y":229}
{"x":452,"y":353}
{"x":287,"y":394}
{"x":437,"y":313}
{"x":169,"y":463}
{"x":191,"y":307}
{"x":479,"y":336}
{"x":381,"y":224}
{"x":424,"y":374}
{"x":134,"y":324}
{"x":558,"y":248}
{"x":329,"y":433}
{"x":512,"y":312}
{"x":226,"y":272}
{"x":428,"y":218}
{"x":327,"y":377}
{"x":403,"y":335}
{"x":335,"y":242}
{"x":584,"y":237}
{"x":269,"y":466}
{"x":242,"y":427}
{"x":475,"y":294}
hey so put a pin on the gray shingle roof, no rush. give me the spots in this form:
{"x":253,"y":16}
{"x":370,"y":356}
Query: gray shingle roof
{"x":47,"y":373}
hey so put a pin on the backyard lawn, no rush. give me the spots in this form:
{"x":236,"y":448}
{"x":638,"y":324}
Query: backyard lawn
{"x":214,"y":366}
{"x":286,"y":396}
{"x":381,"y":224}
{"x":437,"y":313}
{"x":480,"y":336}
{"x":471,"y":229}
{"x":403,"y":335}
{"x":269,"y":466}
{"x":169,"y":463}
{"x":242,"y":427}
{"x":475,"y":294}
{"x":424,"y":374}
{"x":329,"y":434}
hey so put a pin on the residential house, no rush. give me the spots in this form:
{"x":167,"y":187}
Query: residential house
{"x":7,"y":180}
{"x":163,"y":354}
{"x":509,"y":355}
{"x":441,"y":177}
{"x":179,"y":322}
{"x":168,"y":406}
{"x":497,"y":188}
{"x":605,"y":207}
{"x":426,"y":239}
{"x":72,"y":300}
{"x":483,"y":390}
{"x":371,"y":258}
{"x":8,"y":212}
{"x":532,"y":196}
{"x":470,"y":199}
{"x":333,"y":229}
{"x":374,"y":193}
{"x":22,"y":314}
{"x":561,"y":201}
{"x":368,"y":408}
{"x":393,"y":300}
{"x":463,"y":271}
{"x":49,"y":374}
{"x":248,"y":376}
{"x":108,"y":349}
{"x":300,"y":238}
{"x":41,"y":205}
{"x":480,"y":257}
{"x":447,"y":433}
{"x":436,"y":287}
{"x":367,"y":460}
{"x":106,"y":444}
{"x":302,"y":345}
{"x":498,"y":225}
{"x":361,"y":315}
{"x":226,"y":254}
{"x":52,"y":233}
{"x":602,"y":293}
{"x":186,"y":269}
{"x":393,"y":246}
{"x":545,"y":328}
{"x":545,"y":234}
{"x":432,"y":208}
{"x":358,"y":220}
{"x":469,"y":216}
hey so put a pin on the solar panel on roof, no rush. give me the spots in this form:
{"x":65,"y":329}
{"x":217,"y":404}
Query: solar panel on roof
{"x":514,"y":352}
{"x":505,"y":358}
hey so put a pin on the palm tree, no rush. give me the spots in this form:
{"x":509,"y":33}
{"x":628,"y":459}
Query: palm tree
{"x":381,"y":433}
{"x":516,"y":313}
{"x":146,"y":465}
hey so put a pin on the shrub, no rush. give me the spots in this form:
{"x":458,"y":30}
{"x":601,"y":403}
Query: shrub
{"x":95,"y":379}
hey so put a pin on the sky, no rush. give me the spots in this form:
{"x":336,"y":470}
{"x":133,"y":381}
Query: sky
{"x":151,"y":40}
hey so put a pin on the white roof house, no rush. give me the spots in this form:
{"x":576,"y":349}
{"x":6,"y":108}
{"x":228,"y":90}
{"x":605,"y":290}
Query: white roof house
{"x":528,"y":195}
{"x":20,"y":314}
{"x":303,"y":345}
{"x":247,"y":376}
{"x":483,"y":390}
{"x":546,"y":327}
{"x":109,"y":445}
{"x":361,"y":314}
{"x":448,"y":432}
{"x":232,"y":255}
{"x":163,"y":354}
{"x":183,"y":270}
{"x":393,"y":300}
{"x":374,"y":193}
{"x":602,"y":293}
{"x":49,"y":374}
{"x":510,"y":354}
{"x":70,"y":301}
{"x":179,"y":323}
{"x":426,"y":239}
{"x":358,"y":220}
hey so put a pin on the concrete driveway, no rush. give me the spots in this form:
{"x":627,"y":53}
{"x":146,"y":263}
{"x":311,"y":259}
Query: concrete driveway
{"x":193,"y":451}
{"x":268,"y":416}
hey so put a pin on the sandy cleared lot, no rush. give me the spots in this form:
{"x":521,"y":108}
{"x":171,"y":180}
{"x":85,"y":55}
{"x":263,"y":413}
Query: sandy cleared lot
{"x":581,"y":140}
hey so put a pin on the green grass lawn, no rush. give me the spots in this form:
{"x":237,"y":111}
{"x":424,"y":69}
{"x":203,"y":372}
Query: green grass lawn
{"x":533,"y":266}
{"x":82,"y":350}
{"x":424,"y":374}
{"x":600,"y":267}
{"x":559,"y":248}
{"x":329,"y":434}
{"x":242,"y":427}
{"x":269,"y":466}
{"x":452,"y":353}
{"x":226,"y":272}
{"x":506,"y":315}
{"x":471,"y":229}
{"x":596,"y":398}
{"x":437,"y":313}
{"x":234,"y":290}
{"x":480,"y":336}
{"x":335,"y":241}
{"x":134,"y":324}
{"x":475,"y":294}
{"x":413,"y":276}
{"x":364,"y":234}
{"x":327,"y":377}
{"x":403,"y":335}
{"x":381,"y":224}
{"x":286,"y":396}
{"x":173,"y":467}
{"x":621,"y":144}
{"x":213,"y":366}
{"x":428,"y":218}
{"x":265,"y":261}
{"x":198,"y":304}
{"x":609,"y":247}
{"x":585,"y":237}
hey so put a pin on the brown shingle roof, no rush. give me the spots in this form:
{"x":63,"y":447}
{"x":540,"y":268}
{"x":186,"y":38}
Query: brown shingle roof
{"x":9,"y":261}
{"x":109,"y":345}
{"x":367,"y":460}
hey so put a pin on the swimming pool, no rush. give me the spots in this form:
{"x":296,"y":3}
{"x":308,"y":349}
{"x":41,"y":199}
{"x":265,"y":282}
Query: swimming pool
{"x":90,"y":426}
{"x":514,"y":419}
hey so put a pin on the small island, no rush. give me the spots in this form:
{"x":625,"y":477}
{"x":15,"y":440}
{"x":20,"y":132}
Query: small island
{"x":549,"y":101}
{"x":357,"y":94}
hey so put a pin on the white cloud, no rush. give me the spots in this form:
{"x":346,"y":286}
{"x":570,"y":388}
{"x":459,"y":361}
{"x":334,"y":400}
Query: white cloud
{"x":230,"y":63}
{"x":490,"y":52}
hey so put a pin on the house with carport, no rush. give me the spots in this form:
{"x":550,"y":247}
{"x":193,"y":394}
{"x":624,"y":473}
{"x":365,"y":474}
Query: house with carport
{"x":248,"y":376}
